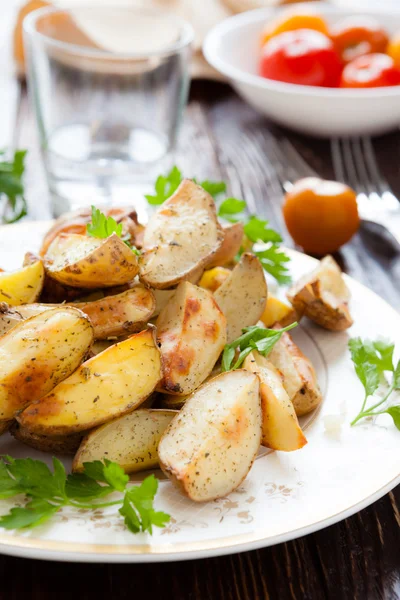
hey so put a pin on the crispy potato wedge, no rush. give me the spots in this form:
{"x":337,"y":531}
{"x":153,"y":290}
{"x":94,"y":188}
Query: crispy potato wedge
{"x":323,"y":296}
{"x":22,"y":286}
{"x":209,"y":447}
{"x":191,"y":331}
{"x":39,"y":353}
{"x":66,"y":444}
{"x":214,"y":278}
{"x":280,"y":427}
{"x":298,"y":376}
{"x":87,"y":262}
{"x":243,"y":295}
{"x":131,"y":441}
{"x":9,"y":318}
{"x":233,"y":237}
{"x":5,"y":426}
{"x":162,"y":298}
{"x":104,"y":387}
{"x":111,"y":316}
{"x":180,"y":238}
{"x":278,"y":312}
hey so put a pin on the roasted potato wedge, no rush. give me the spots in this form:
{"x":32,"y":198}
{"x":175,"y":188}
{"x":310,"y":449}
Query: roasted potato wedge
{"x":233,"y":237}
{"x":39,"y":353}
{"x":191,"y":331}
{"x":66,"y":444}
{"x":131,"y":440}
{"x":22,"y":286}
{"x":298,"y":376}
{"x":180,"y":238}
{"x":9,"y":318}
{"x":323,"y":296}
{"x":280,"y":427}
{"x":214,"y":278}
{"x":162,"y":298}
{"x":278,"y":312}
{"x":209,"y":447}
{"x":5,"y":426}
{"x":243,"y":295}
{"x":87,"y":262}
{"x":111,"y":316}
{"x":104,"y":387}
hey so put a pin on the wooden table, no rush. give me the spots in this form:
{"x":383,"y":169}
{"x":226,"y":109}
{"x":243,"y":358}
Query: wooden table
{"x":357,"y":559}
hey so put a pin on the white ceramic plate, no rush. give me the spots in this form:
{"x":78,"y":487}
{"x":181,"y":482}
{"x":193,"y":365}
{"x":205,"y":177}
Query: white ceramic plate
{"x":286,"y":495}
{"x":232,"y":48}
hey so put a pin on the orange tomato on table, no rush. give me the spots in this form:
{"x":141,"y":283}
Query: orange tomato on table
{"x":304,"y":57}
{"x":321,"y":215}
{"x":370,"y":71}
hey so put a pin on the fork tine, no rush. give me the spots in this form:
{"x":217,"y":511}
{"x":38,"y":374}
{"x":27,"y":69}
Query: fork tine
{"x":361,"y":167}
{"x":352,"y":175}
{"x":337,"y":160}
{"x":280,"y":166}
{"x":303,"y":169}
{"x":379,"y":181}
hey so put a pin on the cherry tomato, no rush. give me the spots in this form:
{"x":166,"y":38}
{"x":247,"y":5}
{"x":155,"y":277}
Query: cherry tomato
{"x":291,"y":21}
{"x":356,"y":36}
{"x":304,"y":57}
{"x":393,"y":49}
{"x":370,"y":71}
{"x":320,"y":215}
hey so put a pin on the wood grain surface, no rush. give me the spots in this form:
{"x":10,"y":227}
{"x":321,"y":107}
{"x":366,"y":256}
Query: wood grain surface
{"x":357,"y":559}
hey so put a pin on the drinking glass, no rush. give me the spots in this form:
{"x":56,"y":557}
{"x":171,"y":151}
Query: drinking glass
{"x":109,"y":86}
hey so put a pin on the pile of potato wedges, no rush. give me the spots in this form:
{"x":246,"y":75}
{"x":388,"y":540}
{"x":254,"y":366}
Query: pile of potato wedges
{"x":105,"y":353}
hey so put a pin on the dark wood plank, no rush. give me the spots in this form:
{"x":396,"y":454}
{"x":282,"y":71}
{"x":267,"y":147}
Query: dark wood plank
{"x":357,"y":559}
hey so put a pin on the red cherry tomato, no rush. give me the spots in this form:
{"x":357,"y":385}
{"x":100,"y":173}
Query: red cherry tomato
{"x":305,"y":57}
{"x":358,"y":35}
{"x":370,"y":71}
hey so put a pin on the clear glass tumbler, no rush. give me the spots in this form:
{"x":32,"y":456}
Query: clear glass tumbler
{"x":109,"y":86}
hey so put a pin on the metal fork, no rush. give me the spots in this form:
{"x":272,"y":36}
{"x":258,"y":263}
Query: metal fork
{"x":354,"y":163}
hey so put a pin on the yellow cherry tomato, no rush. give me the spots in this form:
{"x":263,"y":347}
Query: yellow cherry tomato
{"x":393,"y":49}
{"x":291,"y":21}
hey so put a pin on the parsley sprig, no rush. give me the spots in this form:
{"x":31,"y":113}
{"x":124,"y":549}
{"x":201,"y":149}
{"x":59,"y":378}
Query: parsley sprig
{"x":102,"y":227}
{"x":259,"y":238}
{"x":49,"y":491}
{"x":372,"y":361}
{"x":252,"y":338}
{"x":12,"y":187}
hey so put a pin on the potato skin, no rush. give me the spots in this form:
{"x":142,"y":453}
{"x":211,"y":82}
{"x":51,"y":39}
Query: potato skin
{"x":233,"y":237}
{"x":67,"y":444}
{"x":22,"y":286}
{"x":131,"y":440}
{"x":180,"y":238}
{"x":323,"y":297}
{"x":110,"y":384}
{"x":209,"y":447}
{"x":38,"y":354}
{"x":9,"y":318}
{"x":191,"y":331}
{"x":83,"y":262}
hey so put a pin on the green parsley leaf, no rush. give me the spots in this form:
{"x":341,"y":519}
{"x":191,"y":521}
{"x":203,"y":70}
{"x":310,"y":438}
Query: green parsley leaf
{"x":273,"y":261}
{"x":8,"y":485}
{"x":396,"y":377}
{"x":394,"y":412}
{"x":165,"y":186}
{"x":11,"y":186}
{"x":36,"y":479}
{"x":252,"y":338}
{"x":102,"y":226}
{"x":31,"y":515}
{"x":367,"y":372}
{"x":115,"y":476}
{"x":138,"y":507}
{"x":214,"y":188}
{"x":231,"y":206}
{"x":81,"y":487}
{"x":257,"y":230}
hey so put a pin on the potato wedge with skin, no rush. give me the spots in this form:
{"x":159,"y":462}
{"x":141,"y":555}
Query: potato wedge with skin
{"x":233,"y":237}
{"x":280,"y":427}
{"x":5,"y":426}
{"x":243,"y":295}
{"x":110,"y":316}
{"x":22,"y":286}
{"x":209,"y":447}
{"x":323,"y":296}
{"x":104,"y":387}
{"x":67,"y":444}
{"x":9,"y":318}
{"x":87,"y":262}
{"x":38,"y":354}
{"x":191,"y":331}
{"x":180,"y":237}
{"x":162,"y":298}
{"x":298,"y":376}
{"x":131,"y":441}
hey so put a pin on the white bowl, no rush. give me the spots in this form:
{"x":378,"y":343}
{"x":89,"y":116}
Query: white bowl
{"x":232,"y":48}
